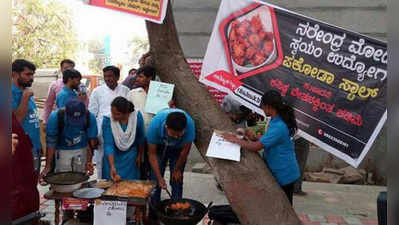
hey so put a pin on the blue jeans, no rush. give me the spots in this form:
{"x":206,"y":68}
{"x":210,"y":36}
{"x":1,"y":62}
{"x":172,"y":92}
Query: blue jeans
{"x":164,"y":156}
{"x":36,"y":159}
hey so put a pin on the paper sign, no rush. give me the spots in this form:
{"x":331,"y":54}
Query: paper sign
{"x":222,"y":149}
{"x":110,"y":212}
{"x":159,"y":96}
{"x":74,"y":204}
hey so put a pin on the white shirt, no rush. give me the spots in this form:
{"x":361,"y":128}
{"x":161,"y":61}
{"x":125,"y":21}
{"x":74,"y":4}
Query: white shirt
{"x":101,"y":99}
{"x":139,"y":97}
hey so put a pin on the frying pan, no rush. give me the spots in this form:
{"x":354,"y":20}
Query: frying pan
{"x":66,"y":181}
{"x":197,"y":212}
{"x":130,"y":200}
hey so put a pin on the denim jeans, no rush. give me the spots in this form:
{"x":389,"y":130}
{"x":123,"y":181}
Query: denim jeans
{"x":145,"y":170}
{"x":36,"y":159}
{"x":289,"y":191}
{"x":301,"y":151}
{"x":165,"y":155}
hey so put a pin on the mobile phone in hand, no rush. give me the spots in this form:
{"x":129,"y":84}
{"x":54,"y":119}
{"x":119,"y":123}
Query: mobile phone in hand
{"x":82,"y":89}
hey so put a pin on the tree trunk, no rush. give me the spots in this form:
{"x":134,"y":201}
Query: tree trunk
{"x":249,"y":186}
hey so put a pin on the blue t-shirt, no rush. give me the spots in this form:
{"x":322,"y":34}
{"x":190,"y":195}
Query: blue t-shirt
{"x":279,"y":154}
{"x":156,"y":133}
{"x":64,"y":95}
{"x":73,"y":137}
{"x":31,"y":123}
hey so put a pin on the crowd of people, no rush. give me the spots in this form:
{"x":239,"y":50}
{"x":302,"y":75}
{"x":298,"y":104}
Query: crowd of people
{"x":127,"y":143}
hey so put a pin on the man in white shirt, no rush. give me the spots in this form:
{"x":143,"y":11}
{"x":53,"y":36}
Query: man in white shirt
{"x":100,"y":105}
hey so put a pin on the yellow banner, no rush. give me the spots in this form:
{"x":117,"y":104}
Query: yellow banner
{"x":147,"y":7}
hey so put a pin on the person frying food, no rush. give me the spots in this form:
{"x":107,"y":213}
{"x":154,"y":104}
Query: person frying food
{"x":277,"y":142}
{"x":124,"y":140}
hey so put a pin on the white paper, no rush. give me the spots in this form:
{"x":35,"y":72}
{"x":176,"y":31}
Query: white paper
{"x":110,"y":212}
{"x":222,"y":149}
{"x":159,"y":95}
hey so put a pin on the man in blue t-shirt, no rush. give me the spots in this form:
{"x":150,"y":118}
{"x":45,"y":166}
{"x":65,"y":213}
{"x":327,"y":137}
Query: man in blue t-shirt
{"x":23,"y":104}
{"x":71,"y":137}
{"x":71,"y":79}
{"x":169,"y":135}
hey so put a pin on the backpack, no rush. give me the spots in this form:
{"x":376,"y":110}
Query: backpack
{"x":61,"y":116}
{"x":223,"y":214}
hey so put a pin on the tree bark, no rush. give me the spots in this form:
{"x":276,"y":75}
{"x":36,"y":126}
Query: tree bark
{"x":249,"y":186}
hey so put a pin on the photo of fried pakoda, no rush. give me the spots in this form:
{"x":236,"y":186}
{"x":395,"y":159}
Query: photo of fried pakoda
{"x":250,"y":44}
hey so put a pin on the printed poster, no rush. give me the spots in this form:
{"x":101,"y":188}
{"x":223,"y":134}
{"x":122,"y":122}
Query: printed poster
{"x":195,"y":66}
{"x":335,"y":79}
{"x":152,"y":10}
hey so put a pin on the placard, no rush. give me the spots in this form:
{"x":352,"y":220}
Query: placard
{"x":110,"y":212}
{"x":222,"y":149}
{"x":159,"y":96}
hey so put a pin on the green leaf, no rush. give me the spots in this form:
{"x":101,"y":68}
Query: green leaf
{"x":43,"y":32}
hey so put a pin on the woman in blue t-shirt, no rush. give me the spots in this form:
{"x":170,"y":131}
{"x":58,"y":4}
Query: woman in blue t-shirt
{"x":277,"y":142}
{"x":124,"y":141}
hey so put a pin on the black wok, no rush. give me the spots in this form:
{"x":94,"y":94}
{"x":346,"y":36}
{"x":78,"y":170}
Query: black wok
{"x":66,"y":181}
{"x":196,"y":213}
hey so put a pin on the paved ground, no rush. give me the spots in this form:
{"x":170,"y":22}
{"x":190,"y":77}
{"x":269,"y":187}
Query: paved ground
{"x":327,"y":204}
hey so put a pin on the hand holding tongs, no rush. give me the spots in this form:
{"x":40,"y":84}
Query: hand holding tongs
{"x":167,"y":191}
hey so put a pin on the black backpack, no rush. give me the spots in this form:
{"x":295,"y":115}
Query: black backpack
{"x":61,"y":116}
{"x":223,"y":214}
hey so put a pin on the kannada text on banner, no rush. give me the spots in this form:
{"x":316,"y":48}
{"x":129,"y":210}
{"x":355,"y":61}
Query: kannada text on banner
{"x":153,"y":10}
{"x":148,"y":7}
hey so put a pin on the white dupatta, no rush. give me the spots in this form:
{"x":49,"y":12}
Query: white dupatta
{"x":124,"y":139}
